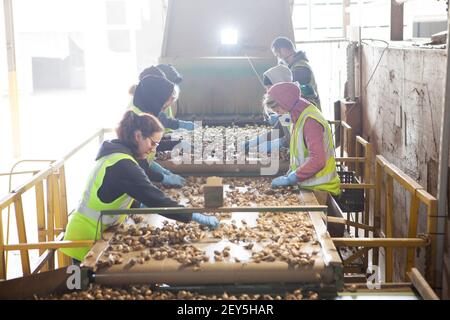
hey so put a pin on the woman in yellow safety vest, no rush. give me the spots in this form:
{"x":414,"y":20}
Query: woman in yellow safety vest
{"x":118,"y":178}
{"x":312,"y":163}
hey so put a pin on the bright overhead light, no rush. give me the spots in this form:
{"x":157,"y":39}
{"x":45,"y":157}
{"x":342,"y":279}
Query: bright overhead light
{"x":229,"y":36}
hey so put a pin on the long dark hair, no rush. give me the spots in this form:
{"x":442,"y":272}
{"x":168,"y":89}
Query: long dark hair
{"x":146,"y":123}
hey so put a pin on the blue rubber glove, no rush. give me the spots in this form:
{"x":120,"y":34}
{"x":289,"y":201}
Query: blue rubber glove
{"x":156,"y":167}
{"x":283,"y":181}
{"x":187,"y":125}
{"x":268,"y":146}
{"x":273,"y":117}
{"x":210,"y":221}
{"x":173,"y":180}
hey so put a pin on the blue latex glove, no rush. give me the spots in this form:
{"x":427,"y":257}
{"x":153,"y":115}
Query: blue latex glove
{"x":187,"y":125}
{"x":273,"y":117}
{"x":156,"y":167}
{"x":210,"y":221}
{"x":283,"y":181}
{"x":268,"y":146}
{"x":173,"y":180}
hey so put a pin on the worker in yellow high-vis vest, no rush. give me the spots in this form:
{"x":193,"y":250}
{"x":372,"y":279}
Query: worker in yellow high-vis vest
{"x":312,"y":162}
{"x":118,"y":178}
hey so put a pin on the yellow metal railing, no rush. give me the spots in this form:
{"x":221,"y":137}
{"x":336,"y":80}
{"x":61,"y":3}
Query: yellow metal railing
{"x":52,"y":216}
{"x":384,"y":235}
{"x":418,"y":195}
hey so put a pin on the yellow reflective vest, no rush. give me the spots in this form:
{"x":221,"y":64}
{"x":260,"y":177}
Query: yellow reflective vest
{"x":84,"y":223}
{"x":326,"y":179}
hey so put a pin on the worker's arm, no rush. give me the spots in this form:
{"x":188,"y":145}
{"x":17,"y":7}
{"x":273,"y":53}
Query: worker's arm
{"x":151,"y":174}
{"x":301,"y":75}
{"x":313,"y":135}
{"x":127,"y":177}
{"x":167,"y":122}
{"x":175,"y":124}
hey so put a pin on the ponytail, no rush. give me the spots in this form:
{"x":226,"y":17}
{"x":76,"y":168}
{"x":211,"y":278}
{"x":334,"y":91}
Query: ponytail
{"x":131,"y":122}
{"x":132,"y":90}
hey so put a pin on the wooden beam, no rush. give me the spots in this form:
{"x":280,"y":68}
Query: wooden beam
{"x":412,"y":230}
{"x":421,"y":285}
{"x":389,"y":227}
{"x":49,"y":245}
{"x":40,"y":210}
{"x":22,"y":235}
{"x":380,"y":242}
{"x":2,"y":250}
{"x":175,"y":210}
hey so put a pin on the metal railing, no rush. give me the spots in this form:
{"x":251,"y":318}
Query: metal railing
{"x":52,"y":215}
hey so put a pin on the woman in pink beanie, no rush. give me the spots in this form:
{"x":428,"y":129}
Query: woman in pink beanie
{"x":312,"y":163}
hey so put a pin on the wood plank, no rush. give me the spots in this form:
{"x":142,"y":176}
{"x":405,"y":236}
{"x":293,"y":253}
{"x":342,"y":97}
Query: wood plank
{"x":22,"y":235}
{"x":50,"y":216}
{"x":380,"y":242}
{"x":403,"y":179}
{"x":412,"y":230}
{"x":389,"y":267}
{"x":350,"y":159}
{"x":49,"y":245}
{"x":40,"y":210}
{"x":350,"y":223}
{"x":367,"y":179}
{"x":434,"y":238}
{"x":377,"y":207}
{"x":358,"y":186}
{"x":359,"y":254}
{"x":57,"y":215}
{"x":421,"y":285}
{"x":63,"y":197}
{"x":2,"y":250}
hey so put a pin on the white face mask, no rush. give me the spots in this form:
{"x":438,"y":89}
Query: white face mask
{"x":285,"y":119}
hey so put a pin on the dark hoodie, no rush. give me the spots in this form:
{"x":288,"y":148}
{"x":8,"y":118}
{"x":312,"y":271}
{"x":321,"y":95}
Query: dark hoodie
{"x":127,"y":177}
{"x":152,"y":93}
{"x":301,"y":75}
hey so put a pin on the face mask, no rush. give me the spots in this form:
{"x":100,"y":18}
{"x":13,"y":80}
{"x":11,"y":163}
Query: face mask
{"x":285,"y":120}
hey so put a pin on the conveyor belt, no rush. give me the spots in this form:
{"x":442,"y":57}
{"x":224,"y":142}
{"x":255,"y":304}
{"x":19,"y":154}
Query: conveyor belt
{"x":327,"y":267}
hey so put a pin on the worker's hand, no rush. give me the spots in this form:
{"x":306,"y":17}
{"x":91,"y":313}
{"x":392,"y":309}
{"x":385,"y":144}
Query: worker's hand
{"x":173,"y":180}
{"x":187,"y":125}
{"x":270,"y":146}
{"x":210,"y":221}
{"x":273,"y":118}
{"x":283,"y":181}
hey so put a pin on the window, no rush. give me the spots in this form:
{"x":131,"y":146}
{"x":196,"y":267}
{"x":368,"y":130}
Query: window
{"x":119,"y":40}
{"x":116,"y":13}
